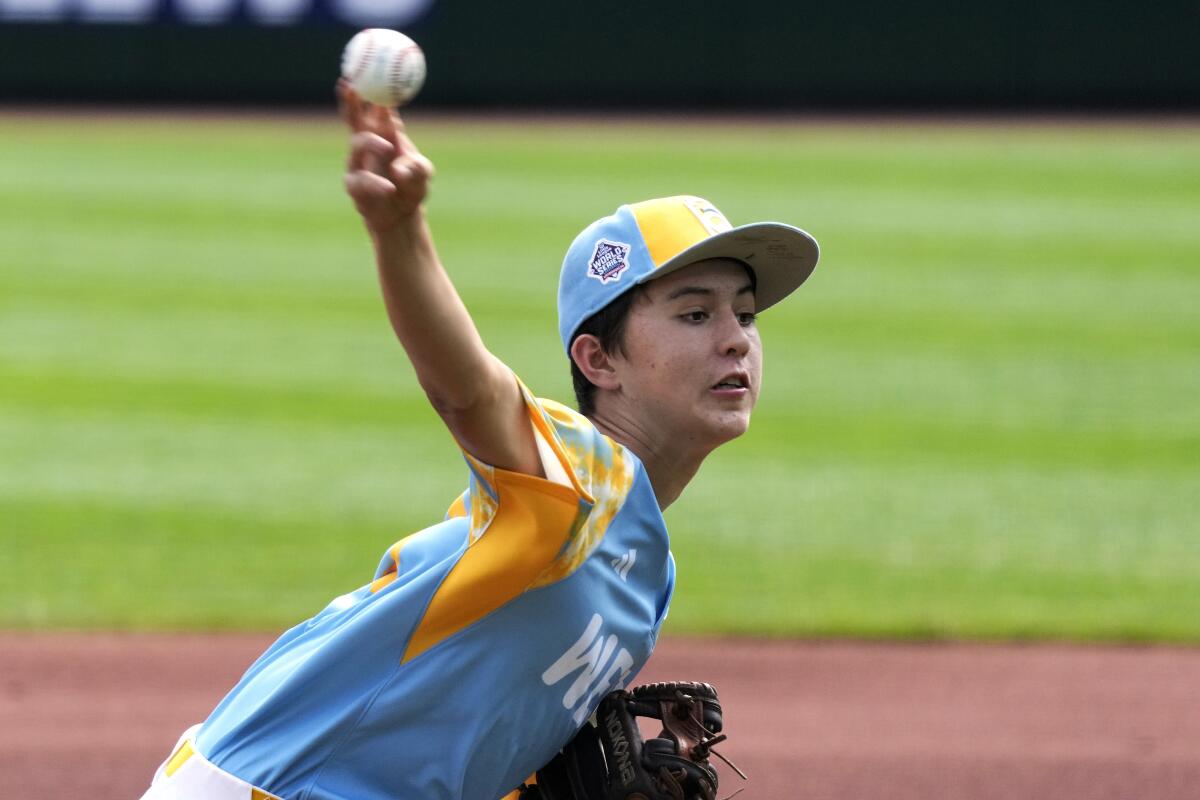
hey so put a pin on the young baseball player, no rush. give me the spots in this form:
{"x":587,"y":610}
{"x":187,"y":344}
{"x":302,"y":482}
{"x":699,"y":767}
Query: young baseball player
{"x":485,"y":641}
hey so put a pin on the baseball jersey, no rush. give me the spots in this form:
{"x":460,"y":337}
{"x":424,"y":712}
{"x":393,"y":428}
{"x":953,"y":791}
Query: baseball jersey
{"x":481,"y":645}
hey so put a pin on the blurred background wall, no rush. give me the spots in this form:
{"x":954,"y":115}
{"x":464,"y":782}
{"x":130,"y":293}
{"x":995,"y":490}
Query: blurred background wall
{"x":767,"y":55}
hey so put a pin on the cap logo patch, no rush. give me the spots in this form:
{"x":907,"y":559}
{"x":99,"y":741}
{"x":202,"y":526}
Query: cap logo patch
{"x":608,"y":261}
{"x":713,"y":220}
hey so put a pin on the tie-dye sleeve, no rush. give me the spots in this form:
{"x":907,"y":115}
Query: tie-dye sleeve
{"x":603,"y":469}
{"x":579,"y":462}
{"x":523,"y":531}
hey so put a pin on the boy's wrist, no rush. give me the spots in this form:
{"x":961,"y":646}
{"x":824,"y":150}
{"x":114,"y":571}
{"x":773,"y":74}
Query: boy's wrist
{"x":402,"y":229}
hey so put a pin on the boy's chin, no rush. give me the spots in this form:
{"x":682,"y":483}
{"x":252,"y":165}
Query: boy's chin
{"x":730,"y":428}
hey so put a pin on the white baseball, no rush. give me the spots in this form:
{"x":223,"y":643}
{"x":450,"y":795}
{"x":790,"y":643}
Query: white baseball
{"x":384,"y":66}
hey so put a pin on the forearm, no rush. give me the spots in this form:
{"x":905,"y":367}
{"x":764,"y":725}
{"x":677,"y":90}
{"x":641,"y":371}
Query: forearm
{"x":452,"y":364}
{"x":474,"y":393}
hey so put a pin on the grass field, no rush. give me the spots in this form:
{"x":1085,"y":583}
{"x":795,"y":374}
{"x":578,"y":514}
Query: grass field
{"x":981,"y":416}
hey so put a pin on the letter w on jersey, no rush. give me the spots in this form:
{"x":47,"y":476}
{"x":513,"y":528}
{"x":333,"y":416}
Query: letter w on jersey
{"x":600,"y":672}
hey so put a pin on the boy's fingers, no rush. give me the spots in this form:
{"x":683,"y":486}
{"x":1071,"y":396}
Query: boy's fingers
{"x":386,"y":125}
{"x":426,"y":165}
{"x":412,"y":166}
{"x":367,"y":148}
{"x":366,"y":186}
{"x":339,"y":91}
{"x":352,"y":106}
{"x":405,"y":144}
{"x":401,"y":171}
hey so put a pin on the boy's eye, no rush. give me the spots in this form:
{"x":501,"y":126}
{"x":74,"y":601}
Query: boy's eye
{"x":696,"y":316}
{"x":747,"y":318}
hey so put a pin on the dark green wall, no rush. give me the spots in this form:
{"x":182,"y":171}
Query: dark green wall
{"x":767,"y":55}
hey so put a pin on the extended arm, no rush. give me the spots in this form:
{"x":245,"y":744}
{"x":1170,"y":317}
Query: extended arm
{"x":475,"y":393}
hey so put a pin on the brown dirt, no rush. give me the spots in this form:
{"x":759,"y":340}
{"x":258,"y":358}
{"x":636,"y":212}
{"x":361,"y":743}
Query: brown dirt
{"x":88,"y":715}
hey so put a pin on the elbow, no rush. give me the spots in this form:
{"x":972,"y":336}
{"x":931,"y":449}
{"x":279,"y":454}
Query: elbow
{"x":450,"y":405}
{"x":470,"y":392}
{"x":464,"y":400}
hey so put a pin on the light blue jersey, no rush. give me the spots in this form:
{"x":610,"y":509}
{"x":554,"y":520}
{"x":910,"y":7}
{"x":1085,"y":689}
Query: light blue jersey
{"x":482,"y":645}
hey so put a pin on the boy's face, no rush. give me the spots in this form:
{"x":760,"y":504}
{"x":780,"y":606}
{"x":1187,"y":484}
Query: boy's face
{"x":692,"y":362}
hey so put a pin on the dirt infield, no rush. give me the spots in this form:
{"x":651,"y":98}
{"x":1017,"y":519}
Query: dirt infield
{"x":91,"y":715}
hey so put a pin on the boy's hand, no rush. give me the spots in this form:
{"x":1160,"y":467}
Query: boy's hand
{"x":386,"y":176}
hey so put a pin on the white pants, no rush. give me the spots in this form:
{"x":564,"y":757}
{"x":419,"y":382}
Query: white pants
{"x":187,"y":775}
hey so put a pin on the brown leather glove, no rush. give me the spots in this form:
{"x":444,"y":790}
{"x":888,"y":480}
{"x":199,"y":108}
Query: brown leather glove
{"x":608,"y":759}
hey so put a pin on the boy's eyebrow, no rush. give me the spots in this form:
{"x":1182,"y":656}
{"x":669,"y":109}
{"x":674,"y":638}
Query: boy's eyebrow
{"x":683,"y":291}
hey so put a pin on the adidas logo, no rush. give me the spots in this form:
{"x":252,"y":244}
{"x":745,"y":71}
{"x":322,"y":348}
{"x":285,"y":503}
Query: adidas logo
{"x":623,"y":564}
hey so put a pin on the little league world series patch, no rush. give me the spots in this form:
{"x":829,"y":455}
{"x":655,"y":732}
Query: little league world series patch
{"x":608,"y":261}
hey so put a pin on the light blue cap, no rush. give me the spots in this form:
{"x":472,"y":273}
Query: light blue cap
{"x":644,"y":241}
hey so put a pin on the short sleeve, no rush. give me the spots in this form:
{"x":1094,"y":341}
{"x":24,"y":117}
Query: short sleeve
{"x":603,"y":469}
{"x":525,"y":531}
{"x":580,"y":463}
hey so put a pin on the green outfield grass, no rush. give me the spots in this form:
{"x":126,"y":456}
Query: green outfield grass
{"x":981,"y":417}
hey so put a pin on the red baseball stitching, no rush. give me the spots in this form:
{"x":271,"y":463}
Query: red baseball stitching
{"x":397,"y":65}
{"x":364,"y":57}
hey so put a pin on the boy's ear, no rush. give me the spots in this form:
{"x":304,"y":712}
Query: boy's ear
{"x":595,"y":364}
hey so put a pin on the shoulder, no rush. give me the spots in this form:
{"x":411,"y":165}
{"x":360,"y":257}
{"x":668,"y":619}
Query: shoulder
{"x":584,"y":444}
{"x":566,"y":419}
{"x":606,"y":473}
{"x":606,"y":468}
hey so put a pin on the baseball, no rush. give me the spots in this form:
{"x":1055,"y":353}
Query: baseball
{"x":384,"y":66}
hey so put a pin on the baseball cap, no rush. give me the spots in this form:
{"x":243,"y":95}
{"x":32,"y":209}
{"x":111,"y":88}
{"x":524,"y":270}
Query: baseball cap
{"x":644,"y":241}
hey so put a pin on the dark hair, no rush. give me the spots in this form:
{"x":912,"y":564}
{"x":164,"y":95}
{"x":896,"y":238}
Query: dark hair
{"x":607,"y":325}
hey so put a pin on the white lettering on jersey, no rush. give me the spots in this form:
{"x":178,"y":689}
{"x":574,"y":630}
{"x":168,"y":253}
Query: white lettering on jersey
{"x":591,"y":654}
{"x":619,"y":669}
{"x":623,"y":564}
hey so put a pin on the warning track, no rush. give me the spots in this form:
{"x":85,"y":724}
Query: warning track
{"x":91,"y":715}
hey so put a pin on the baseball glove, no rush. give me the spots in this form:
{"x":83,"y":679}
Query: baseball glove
{"x":608,"y":759}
